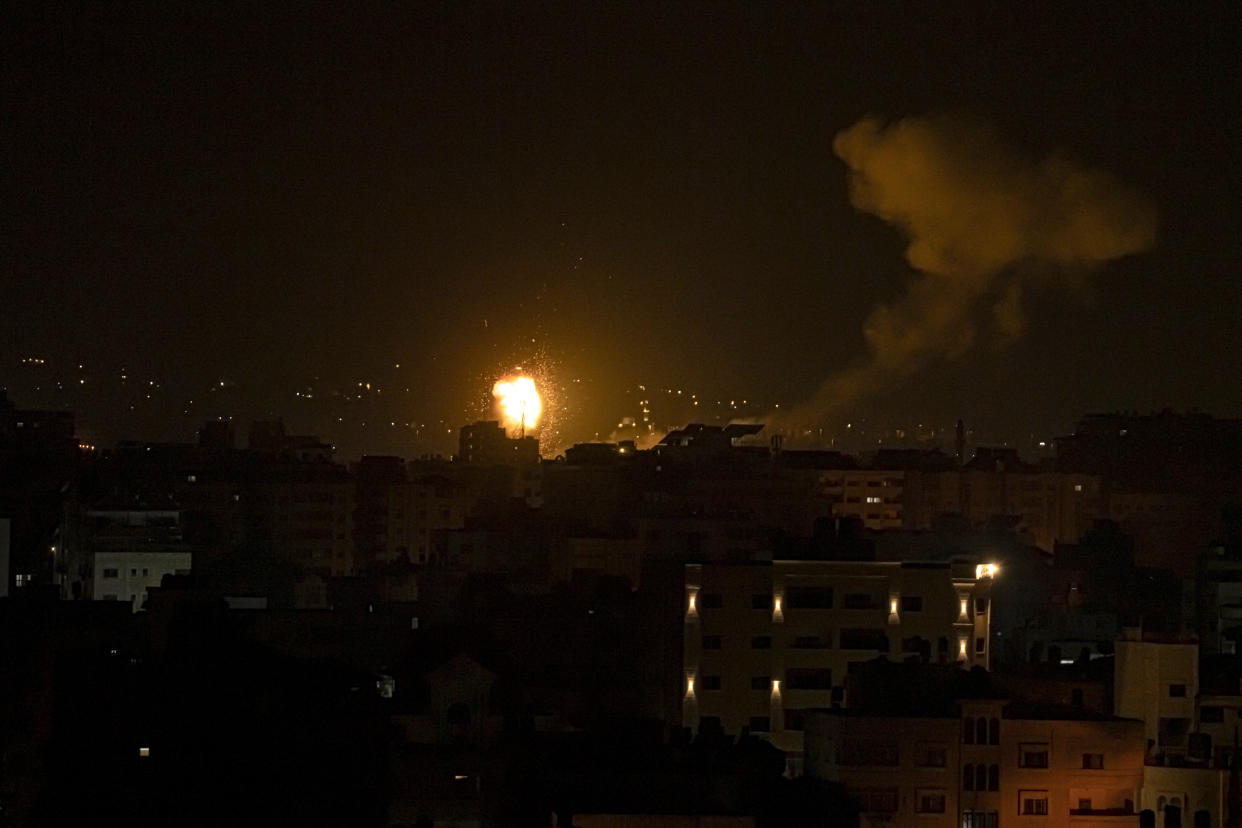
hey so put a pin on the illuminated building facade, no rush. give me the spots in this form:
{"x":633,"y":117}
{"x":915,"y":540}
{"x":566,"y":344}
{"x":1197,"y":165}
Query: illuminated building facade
{"x":985,"y":765}
{"x":764,"y":643}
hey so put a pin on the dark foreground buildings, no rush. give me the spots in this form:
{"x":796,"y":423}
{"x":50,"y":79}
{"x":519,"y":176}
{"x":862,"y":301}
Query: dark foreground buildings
{"x":713,"y":631}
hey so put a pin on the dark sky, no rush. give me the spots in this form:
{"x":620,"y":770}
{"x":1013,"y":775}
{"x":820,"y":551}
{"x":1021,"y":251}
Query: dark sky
{"x":265,"y":194}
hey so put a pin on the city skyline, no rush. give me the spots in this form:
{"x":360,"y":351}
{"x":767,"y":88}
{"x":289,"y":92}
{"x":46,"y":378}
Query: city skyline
{"x":661,"y":196}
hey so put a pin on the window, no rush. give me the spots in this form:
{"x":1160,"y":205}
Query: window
{"x":980,"y":645}
{"x":864,"y":640}
{"x":912,"y":603}
{"x":712,"y":600}
{"x":1177,"y":691}
{"x":795,"y":719}
{"x":133,"y":573}
{"x":979,"y":819}
{"x":1093,"y":761}
{"x":867,"y":753}
{"x":968,"y":777}
{"x":1033,"y":755}
{"x":810,"y":642}
{"x":858,"y":601}
{"x":808,"y":678}
{"x":981,"y":777}
{"x":711,"y":682}
{"x":981,"y":731}
{"x":877,"y":800}
{"x":1211,"y":714}
{"x":993,"y":777}
{"x":929,"y":801}
{"x":872,"y":499}
{"x":1033,"y":803}
{"x":711,"y":642}
{"x":761,"y":602}
{"x":145,"y":572}
{"x":761,"y":642}
{"x":968,"y":731}
{"x":994,"y":732}
{"x":760,"y":682}
{"x":110,"y":597}
{"x":931,"y":756}
{"x":760,"y":724}
{"x":981,"y":606}
{"x":111,"y":573}
{"x":808,"y":598}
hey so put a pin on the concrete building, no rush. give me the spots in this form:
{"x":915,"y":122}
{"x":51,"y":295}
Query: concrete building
{"x":1049,"y":507}
{"x":126,"y":575}
{"x":304,"y":512}
{"x":116,"y":554}
{"x":986,"y":765}
{"x":873,"y":496}
{"x":1157,"y":681}
{"x":764,"y":643}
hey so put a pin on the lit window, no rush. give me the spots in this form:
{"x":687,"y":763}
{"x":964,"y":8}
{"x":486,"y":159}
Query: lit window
{"x":875,"y":500}
{"x":144,"y":752}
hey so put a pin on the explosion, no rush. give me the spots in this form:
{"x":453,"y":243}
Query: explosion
{"x":518,"y":404}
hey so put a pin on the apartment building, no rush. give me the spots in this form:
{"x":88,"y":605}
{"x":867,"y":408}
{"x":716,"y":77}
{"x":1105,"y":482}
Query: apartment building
{"x":764,"y":643}
{"x":988,"y":765}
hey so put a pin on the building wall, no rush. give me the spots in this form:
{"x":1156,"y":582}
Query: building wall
{"x":891,"y":765}
{"x":125,"y":576}
{"x":874,"y":496}
{"x":1052,"y":507}
{"x":757,"y":653}
{"x":1191,"y":789}
{"x":309,"y":520}
{"x":1076,"y":792}
{"x":1157,"y":682}
{"x":901,"y":771}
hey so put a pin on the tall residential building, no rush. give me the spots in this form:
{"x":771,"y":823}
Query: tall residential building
{"x":985,"y":764}
{"x":765,"y":643}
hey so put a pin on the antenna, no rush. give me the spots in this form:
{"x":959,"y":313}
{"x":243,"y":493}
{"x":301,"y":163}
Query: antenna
{"x":522,"y":429}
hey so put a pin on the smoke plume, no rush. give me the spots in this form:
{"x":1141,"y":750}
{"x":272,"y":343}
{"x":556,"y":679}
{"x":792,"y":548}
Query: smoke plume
{"x":984,"y":224}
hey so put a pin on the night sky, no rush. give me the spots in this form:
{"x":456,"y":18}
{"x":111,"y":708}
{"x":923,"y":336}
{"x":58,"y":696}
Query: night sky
{"x":291,"y":199}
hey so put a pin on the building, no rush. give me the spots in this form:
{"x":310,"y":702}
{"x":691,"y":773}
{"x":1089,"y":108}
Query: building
{"x":985,"y":764}
{"x":485,"y":443}
{"x":127,"y":575}
{"x":1156,"y":682}
{"x":114,"y":553}
{"x":1046,"y":505}
{"x":766,"y":642}
{"x":302,"y":512}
